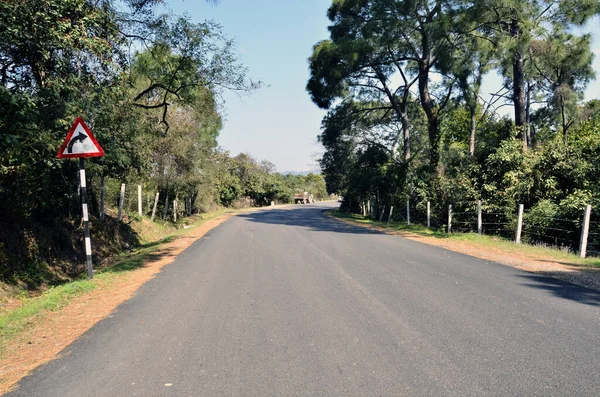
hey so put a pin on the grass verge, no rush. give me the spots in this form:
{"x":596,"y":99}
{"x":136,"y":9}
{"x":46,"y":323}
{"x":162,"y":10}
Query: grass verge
{"x":481,"y":241}
{"x":14,"y":321}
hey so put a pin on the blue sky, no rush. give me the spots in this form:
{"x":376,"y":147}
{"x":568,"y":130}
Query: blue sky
{"x":274,"y":39}
{"x":278,"y":123}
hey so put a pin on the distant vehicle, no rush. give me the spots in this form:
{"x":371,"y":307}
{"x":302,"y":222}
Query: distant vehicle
{"x":303,"y":198}
{"x":340,"y":199}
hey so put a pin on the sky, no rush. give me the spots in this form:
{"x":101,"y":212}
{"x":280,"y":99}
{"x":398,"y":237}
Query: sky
{"x":279,"y":122}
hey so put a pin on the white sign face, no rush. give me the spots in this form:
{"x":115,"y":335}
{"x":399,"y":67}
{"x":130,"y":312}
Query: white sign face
{"x":80,"y":142}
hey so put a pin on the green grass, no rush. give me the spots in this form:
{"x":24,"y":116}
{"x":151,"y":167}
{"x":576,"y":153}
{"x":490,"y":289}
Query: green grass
{"x":540,"y":252}
{"x":52,"y":299}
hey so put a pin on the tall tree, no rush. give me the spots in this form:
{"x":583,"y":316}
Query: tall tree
{"x":350,"y":68}
{"x":387,"y":40}
{"x":563,"y":63}
{"x":514,"y":25}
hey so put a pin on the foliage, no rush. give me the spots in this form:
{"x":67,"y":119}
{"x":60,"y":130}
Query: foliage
{"x":149,"y":85}
{"x":461,"y":150}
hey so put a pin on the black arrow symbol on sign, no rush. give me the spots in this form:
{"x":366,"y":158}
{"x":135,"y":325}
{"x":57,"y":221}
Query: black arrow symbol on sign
{"x":81,"y":137}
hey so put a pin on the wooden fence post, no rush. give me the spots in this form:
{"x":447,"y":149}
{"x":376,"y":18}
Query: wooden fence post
{"x":585,"y":228}
{"x":428,"y":214}
{"x":450,"y":218}
{"x":519,"y":224}
{"x":155,"y":204}
{"x":391,"y":211}
{"x":121,"y":199}
{"x":175,"y":202}
{"x":479,"y":218}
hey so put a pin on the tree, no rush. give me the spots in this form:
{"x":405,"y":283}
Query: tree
{"x":563,"y":63}
{"x":68,"y":58}
{"x":185,"y":64}
{"x":514,"y":26}
{"x":358,"y":64}
{"x":371,"y":42}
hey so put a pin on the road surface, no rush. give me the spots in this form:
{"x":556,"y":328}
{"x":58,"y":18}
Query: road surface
{"x":287,"y":302}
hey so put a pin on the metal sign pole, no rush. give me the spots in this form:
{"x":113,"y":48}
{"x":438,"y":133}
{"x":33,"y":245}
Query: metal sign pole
{"x":86,"y":221}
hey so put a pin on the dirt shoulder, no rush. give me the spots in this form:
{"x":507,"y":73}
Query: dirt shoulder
{"x":49,"y":334}
{"x":588,"y":277}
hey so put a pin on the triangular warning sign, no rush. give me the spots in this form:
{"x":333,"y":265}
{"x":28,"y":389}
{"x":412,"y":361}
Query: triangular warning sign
{"x":80,"y":142}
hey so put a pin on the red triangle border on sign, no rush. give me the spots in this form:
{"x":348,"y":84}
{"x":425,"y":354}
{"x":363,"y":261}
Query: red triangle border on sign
{"x":79,"y":120}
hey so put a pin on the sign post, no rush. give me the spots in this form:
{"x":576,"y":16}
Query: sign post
{"x":81,"y":143}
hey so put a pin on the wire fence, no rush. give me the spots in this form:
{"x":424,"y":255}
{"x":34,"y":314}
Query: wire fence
{"x":593,"y":245}
{"x":536,"y":228}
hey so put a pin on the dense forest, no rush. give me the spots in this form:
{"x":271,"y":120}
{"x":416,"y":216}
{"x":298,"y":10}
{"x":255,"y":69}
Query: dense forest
{"x":149,"y":84}
{"x":408,"y":119}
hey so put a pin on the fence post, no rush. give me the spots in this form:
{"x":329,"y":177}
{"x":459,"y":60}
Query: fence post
{"x":390,"y":216}
{"x":408,"y":212}
{"x":155,"y":204}
{"x":450,"y":218}
{"x":479,"y":218}
{"x":382,"y":213}
{"x":175,"y":202}
{"x":428,"y":214}
{"x":519,"y":224}
{"x":121,"y":199}
{"x":140,"y":200}
{"x":585,"y":228}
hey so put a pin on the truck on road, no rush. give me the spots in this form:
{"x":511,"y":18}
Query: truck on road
{"x":303,"y":198}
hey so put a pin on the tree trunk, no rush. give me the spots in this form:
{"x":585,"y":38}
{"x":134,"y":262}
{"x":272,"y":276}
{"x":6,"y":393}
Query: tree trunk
{"x":434,"y":141}
{"x":432,"y":117}
{"x":519,"y":97}
{"x":406,"y":136}
{"x":166,"y":209}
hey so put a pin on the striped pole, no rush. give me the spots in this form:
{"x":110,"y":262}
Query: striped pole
{"x":86,"y":220}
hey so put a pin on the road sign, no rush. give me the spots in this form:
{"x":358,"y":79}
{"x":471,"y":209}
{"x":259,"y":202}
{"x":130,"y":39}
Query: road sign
{"x":80,"y":142}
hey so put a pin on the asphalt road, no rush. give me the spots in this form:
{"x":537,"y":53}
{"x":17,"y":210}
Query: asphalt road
{"x":287,"y":302}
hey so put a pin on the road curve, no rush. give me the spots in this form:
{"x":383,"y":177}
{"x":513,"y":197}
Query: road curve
{"x":287,"y":302}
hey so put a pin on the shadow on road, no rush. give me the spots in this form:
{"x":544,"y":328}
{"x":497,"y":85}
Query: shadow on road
{"x":311,"y":218}
{"x":563,"y":289}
